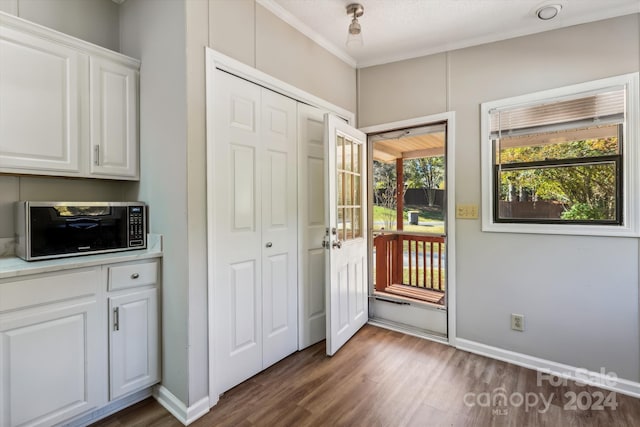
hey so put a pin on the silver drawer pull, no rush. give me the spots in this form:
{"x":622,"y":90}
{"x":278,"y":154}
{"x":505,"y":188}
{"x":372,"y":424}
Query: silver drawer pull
{"x":269,"y":244}
{"x":135,"y":275}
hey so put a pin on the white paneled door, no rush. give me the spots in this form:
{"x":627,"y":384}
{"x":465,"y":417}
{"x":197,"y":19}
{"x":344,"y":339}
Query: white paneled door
{"x":255,"y":226}
{"x":311,"y":227}
{"x":279,"y":227}
{"x":346,"y":217}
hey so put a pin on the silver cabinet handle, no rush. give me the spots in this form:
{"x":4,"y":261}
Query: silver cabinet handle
{"x":96,"y":155}
{"x":116,"y":319}
{"x":269,"y":244}
{"x":336,"y":244}
{"x":135,"y":275}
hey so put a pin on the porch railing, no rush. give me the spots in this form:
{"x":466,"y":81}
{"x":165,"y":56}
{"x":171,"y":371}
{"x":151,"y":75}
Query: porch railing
{"x":412,"y":260}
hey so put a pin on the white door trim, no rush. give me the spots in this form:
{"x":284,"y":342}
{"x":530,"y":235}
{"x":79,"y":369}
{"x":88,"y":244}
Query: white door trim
{"x":449,"y":117}
{"x":239,"y":69}
{"x":216,"y":60}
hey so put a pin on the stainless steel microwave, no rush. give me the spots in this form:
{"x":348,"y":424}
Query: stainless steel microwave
{"x":46,"y":230}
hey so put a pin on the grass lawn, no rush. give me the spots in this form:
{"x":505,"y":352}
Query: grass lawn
{"x":431,"y":215}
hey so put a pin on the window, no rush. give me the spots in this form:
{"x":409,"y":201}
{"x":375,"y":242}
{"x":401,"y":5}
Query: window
{"x":562,"y":161}
{"x":349,"y":186}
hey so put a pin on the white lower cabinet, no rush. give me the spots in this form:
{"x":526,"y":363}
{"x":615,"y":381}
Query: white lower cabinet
{"x":133,"y":341}
{"x":52,"y":352}
{"x":72,"y":342}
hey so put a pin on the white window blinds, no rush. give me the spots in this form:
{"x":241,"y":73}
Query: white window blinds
{"x":587,"y":110}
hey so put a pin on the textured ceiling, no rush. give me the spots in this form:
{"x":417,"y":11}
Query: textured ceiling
{"x":401,"y":29}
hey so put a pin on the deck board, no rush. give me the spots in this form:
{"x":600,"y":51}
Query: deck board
{"x":435,"y":297}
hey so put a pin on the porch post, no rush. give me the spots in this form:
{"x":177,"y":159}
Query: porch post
{"x":399,"y":195}
{"x":398,"y":253}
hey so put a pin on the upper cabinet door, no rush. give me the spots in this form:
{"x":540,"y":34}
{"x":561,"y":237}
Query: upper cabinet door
{"x":39,"y":114}
{"x":113,"y":92}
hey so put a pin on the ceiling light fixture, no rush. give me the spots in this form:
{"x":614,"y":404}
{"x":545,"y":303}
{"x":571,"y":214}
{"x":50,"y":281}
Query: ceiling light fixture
{"x":354,"y":37}
{"x":548,"y":11}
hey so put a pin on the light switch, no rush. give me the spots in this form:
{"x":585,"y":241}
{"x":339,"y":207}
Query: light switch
{"x":467,"y":211}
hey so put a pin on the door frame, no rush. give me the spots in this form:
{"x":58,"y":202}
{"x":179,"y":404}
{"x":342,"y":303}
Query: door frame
{"x":450,"y":118}
{"x":216,"y":60}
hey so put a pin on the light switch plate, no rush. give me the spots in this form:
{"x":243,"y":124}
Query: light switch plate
{"x":467,"y":211}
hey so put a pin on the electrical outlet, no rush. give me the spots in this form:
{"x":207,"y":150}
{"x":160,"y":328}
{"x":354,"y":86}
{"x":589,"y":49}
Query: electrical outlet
{"x":517,"y":322}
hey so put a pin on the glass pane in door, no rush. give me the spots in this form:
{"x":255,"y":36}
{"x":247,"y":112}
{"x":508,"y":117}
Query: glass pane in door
{"x":349,"y":190}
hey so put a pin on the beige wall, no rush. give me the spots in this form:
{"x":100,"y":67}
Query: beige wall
{"x":402,"y":90}
{"x":95,"y":21}
{"x":154,"y":31}
{"x":251,"y":34}
{"x":579,"y":294}
{"x":197,"y":36}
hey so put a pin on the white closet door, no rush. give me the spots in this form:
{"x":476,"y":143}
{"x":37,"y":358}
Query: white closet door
{"x":237,"y":291}
{"x":311,"y":228}
{"x":279,"y":227}
{"x":255,"y":228}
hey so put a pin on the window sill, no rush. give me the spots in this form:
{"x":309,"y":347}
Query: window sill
{"x":561,"y":229}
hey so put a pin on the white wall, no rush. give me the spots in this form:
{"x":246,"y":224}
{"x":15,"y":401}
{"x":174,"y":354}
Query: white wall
{"x":95,"y":21}
{"x":579,"y":294}
{"x":250,"y":33}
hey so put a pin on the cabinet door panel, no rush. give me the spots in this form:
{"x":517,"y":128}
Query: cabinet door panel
{"x":39,"y":115}
{"x":51,"y":363}
{"x":113,"y":93}
{"x":133,"y":346}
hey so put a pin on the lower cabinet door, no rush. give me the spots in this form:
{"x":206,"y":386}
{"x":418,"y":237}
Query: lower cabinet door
{"x":133,"y":341}
{"x":51,"y":363}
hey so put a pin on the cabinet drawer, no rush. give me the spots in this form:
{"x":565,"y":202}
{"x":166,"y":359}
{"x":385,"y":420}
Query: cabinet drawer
{"x":47,"y":288}
{"x":133,"y":275}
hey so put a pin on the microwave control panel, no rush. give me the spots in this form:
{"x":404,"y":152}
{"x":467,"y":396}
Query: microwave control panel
{"x":136,"y":226}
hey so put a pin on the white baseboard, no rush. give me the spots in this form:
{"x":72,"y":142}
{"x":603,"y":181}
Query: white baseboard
{"x":598,"y":379}
{"x":186,"y":415}
{"x":109,"y":409}
{"x":408,"y":330}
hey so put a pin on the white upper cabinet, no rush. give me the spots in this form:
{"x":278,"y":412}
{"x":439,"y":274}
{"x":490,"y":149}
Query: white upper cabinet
{"x":39,"y":114}
{"x":67,"y":107}
{"x":113,"y":92}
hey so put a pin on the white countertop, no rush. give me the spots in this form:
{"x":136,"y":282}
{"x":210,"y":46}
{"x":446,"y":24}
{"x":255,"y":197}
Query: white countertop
{"x":14,"y":267}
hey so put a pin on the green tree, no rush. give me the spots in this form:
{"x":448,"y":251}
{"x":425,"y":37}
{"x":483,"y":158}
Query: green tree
{"x":586,"y":191}
{"x":426,"y":173}
{"x":385,"y":189}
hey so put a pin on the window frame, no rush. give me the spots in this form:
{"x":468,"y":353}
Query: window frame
{"x":627,"y":166}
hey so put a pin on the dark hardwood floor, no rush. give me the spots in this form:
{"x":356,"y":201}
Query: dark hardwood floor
{"x":384,"y":378}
